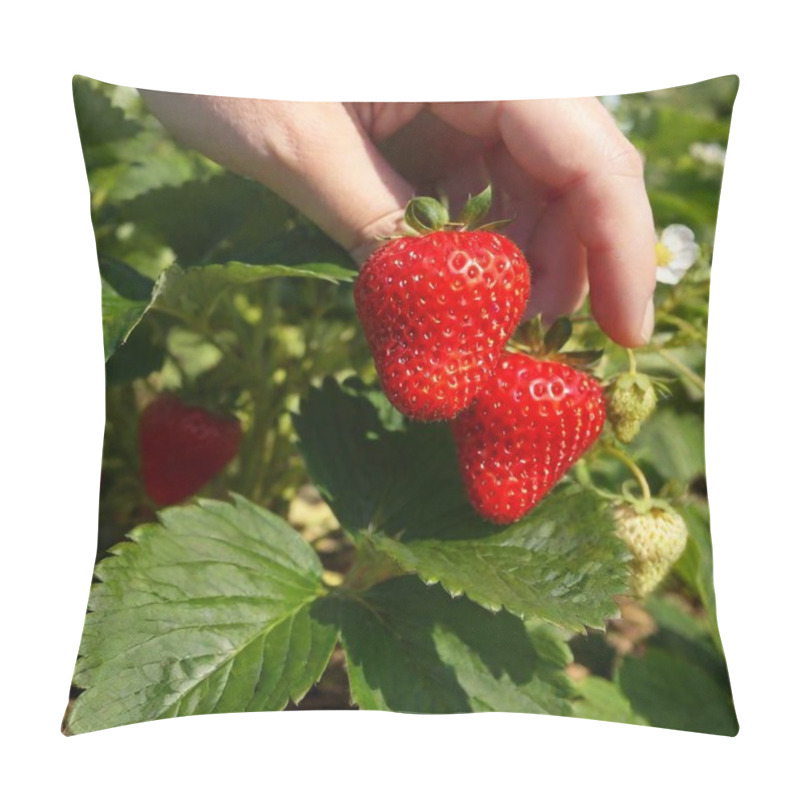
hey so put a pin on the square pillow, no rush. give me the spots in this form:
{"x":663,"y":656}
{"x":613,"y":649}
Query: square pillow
{"x":390,"y":421}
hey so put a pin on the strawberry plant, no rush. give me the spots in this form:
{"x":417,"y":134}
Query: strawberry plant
{"x":325,"y":489}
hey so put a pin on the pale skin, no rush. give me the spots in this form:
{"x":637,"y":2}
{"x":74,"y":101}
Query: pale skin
{"x":560,"y":169}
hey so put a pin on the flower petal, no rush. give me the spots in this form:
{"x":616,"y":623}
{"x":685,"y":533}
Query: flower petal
{"x":667,"y":275}
{"x":684,"y":259}
{"x":677,"y":236}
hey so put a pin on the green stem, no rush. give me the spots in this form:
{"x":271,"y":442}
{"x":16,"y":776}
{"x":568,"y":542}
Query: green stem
{"x":370,"y":567}
{"x":687,"y":372}
{"x":258,"y":366}
{"x":633,"y":467}
{"x":631,"y":361}
{"x":583,"y":477}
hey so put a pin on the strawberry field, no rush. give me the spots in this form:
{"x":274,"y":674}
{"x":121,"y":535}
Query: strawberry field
{"x":275,"y":534}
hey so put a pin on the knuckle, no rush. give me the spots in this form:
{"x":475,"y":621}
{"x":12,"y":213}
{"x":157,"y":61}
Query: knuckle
{"x":626,"y":161}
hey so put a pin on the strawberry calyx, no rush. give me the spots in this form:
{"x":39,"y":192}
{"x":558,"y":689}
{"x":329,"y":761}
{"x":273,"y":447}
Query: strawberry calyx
{"x":641,"y":505}
{"x":546,"y":344}
{"x":426,"y":215}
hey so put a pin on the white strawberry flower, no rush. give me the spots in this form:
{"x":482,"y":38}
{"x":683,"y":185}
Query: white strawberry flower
{"x":676,"y":251}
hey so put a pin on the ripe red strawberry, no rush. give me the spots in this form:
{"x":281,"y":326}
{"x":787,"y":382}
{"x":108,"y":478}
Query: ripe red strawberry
{"x":526,"y":429}
{"x":437,"y":310}
{"x":182,"y":447}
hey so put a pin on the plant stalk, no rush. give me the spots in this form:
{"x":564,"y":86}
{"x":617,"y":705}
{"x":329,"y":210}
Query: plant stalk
{"x":634,"y":468}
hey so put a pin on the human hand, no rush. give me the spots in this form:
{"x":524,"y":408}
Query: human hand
{"x":560,"y":169}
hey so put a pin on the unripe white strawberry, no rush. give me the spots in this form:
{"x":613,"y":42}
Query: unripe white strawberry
{"x":656,"y":538}
{"x":631,"y":400}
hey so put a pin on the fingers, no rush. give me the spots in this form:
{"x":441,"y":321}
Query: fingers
{"x":558,"y":265}
{"x":574,"y":149}
{"x":316,"y":156}
{"x":613,"y":218}
{"x":321,"y":158}
{"x":547,"y":235}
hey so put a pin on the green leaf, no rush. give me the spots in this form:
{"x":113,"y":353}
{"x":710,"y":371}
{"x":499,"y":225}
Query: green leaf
{"x":142,"y":353}
{"x":696,"y":565}
{"x":304,"y":244}
{"x":602,"y":700}
{"x":126,"y":297}
{"x":121,"y":169}
{"x":412,"y":648}
{"x":398,"y":483}
{"x":143,"y":164}
{"x":687,"y":635}
{"x":561,"y":563}
{"x":120,"y":317}
{"x":214,"y":609}
{"x":99,"y":121}
{"x":673,"y":443}
{"x":672,"y":692}
{"x":193,"y":291}
{"x":125,"y":280}
{"x":219,"y":218}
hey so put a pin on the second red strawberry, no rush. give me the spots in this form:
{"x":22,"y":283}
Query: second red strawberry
{"x":532,"y":423}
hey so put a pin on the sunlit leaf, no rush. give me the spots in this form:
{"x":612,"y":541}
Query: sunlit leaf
{"x":213,"y":609}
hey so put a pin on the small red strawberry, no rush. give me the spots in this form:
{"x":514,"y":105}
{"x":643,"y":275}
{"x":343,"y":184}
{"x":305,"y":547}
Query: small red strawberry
{"x":182,"y":447}
{"x":438,"y":308}
{"x":531,"y":423}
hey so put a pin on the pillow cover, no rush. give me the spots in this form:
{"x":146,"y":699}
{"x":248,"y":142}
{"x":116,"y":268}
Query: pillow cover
{"x":444,"y":483}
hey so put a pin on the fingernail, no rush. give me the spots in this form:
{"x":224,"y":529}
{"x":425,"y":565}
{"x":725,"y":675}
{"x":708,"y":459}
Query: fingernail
{"x":647,"y":322}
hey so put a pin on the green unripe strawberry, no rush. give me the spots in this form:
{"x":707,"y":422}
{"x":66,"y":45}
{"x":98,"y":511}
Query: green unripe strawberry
{"x":656,"y":539}
{"x":632,"y":399}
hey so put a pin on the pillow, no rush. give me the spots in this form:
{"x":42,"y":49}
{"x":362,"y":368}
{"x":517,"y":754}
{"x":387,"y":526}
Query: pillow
{"x":370,"y":450}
